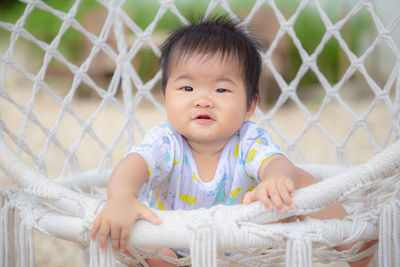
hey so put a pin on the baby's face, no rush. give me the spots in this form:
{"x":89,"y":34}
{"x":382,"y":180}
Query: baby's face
{"x":205,"y":98}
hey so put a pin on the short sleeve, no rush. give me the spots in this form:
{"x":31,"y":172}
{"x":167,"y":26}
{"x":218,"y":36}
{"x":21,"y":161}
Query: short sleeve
{"x":157,"y":149}
{"x":257,"y":146}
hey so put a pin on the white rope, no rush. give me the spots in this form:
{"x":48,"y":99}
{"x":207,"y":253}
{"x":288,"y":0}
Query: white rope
{"x":389,"y":235}
{"x":6,"y":234}
{"x":24,"y":226}
{"x":99,"y":258}
{"x":203,"y":244}
{"x":36,"y":185}
{"x":16,"y":231}
{"x":24,"y":249}
{"x":298,"y":253}
{"x":2,"y":232}
{"x":251,"y":234}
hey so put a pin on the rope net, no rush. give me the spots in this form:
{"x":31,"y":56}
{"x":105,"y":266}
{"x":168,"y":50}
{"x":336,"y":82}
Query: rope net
{"x":48,"y":124}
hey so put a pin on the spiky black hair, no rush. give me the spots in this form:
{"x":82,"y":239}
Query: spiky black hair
{"x":215,"y":35}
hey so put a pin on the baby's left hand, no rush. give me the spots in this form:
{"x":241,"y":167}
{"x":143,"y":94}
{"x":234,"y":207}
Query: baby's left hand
{"x":276,"y":190}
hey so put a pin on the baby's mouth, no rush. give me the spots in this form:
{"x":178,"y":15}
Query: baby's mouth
{"x":203,"y":117}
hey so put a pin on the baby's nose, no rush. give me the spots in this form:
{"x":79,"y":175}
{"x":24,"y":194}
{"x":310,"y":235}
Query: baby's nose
{"x":203,"y":102}
{"x":203,"y":99}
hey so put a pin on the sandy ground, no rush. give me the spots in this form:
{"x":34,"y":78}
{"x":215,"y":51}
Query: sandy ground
{"x":55,"y":252}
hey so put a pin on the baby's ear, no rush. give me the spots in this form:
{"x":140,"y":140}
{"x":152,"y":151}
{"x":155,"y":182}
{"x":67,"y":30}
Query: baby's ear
{"x":252,"y":106}
{"x":163,"y":91}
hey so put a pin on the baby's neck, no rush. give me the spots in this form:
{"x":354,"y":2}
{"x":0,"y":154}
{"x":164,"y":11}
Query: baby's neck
{"x":206,"y":149}
{"x":206,"y":157}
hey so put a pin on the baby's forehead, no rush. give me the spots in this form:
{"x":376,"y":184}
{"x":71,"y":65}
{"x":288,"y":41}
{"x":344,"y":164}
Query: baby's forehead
{"x":200,"y":57}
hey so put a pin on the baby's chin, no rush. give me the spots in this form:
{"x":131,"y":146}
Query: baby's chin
{"x":208,"y":140}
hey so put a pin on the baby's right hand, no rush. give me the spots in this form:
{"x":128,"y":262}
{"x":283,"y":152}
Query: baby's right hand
{"x":117,"y":217}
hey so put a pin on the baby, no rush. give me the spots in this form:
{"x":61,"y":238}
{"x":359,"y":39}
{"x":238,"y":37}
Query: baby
{"x":209,"y":152}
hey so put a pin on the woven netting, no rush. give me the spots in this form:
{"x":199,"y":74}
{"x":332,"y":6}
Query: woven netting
{"x":50,"y":130}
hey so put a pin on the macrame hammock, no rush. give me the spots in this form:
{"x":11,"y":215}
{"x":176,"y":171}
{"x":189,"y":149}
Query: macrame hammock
{"x":222,"y":235}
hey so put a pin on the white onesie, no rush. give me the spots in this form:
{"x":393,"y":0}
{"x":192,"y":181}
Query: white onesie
{"x":174,"y":181}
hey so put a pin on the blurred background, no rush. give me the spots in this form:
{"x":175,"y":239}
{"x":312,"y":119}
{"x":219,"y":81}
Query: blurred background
{"x":97,"y":102}
{"x":359,"y":32}
{"x":42,"y":28}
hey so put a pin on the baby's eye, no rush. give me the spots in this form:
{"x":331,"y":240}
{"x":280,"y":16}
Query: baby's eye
{"x":187,"y":88}
{"x":221,"y":90}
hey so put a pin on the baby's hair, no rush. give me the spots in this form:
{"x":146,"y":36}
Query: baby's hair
{"x":215,"y":35}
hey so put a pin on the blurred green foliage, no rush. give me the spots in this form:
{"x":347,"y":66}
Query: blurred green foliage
{"x":143,"y":12}
{"x":308,"y":27}
{"x":310,"y":30}
{"x":45,"y":26}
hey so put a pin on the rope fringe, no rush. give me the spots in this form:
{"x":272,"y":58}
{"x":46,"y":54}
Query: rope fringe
{"x":25,"y":244}
{"x":9,"y":237}
{"x":298,"y":253}
{"x":99,"y":258}
{"x":203,"y":245}
{"x":389,"y":239}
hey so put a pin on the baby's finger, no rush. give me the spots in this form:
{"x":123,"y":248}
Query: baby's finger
{"x":150,"y":216}
{"x":276,"y":199}
{"x":284,"y":194}
{"x":115,"y":236}
{"x":290,"y":187}
{"x":263,"y":198}
{"x":123,"y":241}
{"x":287,"y":199}
{"x":95,"y":229}
{"x":103,"y":235}
{"x":249,"y":197}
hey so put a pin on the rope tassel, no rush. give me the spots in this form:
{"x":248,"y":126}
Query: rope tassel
{"x":99,"y":258}
{"x":203,"y":247}
{"x":389,"y":235}
{"x":3,"y":223}
{"x":298,"y":253}
{"x":7,"y":258}
{"x":26,"y":248}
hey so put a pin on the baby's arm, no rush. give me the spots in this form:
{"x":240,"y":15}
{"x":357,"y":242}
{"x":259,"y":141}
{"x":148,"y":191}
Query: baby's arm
{"x":278,"y":177}
{"x":123,"y":208}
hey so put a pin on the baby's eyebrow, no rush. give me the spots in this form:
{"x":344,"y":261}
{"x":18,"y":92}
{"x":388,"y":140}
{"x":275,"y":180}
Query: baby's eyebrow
{"x":218,"y":79}
{"x":184,"y":77}
{"x":225,"y":79}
